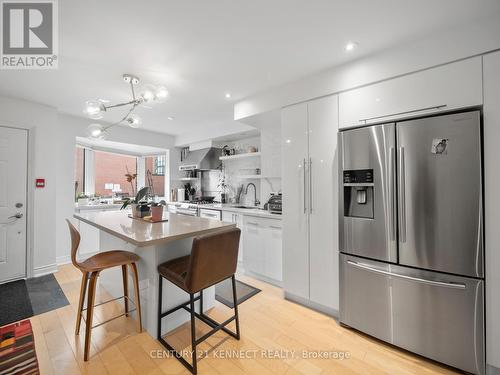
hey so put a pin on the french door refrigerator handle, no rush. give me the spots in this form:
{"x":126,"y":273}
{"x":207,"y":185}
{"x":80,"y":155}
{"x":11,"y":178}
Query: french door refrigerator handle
{"x":401,"y":195}
{"x":392,"y":198}
{"x":304,"y":170}
{"x":310,"y":187}
{"x":411,"y":278}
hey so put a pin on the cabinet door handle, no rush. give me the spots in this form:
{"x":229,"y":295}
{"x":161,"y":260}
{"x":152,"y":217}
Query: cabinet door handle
{"x":251,"y":223}
{"x":304,"y":187}
{"x":310,"y":187}
{"x":274,"y":227}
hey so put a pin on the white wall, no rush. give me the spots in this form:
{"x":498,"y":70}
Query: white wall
{"x":51,"y":146}
{"x":465,"y":41}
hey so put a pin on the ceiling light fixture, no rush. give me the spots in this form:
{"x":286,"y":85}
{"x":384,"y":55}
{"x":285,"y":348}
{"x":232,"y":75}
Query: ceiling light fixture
{"x":350,"y":46}
{"x":170,"y":118}
{"x":95,"y":109}
{"x":228,"y":95}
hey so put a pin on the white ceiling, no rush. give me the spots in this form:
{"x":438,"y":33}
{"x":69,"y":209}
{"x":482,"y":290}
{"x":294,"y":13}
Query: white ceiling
{"x":202,"y":49}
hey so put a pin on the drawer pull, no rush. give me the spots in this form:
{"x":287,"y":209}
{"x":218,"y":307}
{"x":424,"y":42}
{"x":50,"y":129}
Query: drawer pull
{"x":416,"y":279}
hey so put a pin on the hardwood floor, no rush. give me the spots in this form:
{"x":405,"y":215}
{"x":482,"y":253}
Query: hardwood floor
{"x":270,"y":325}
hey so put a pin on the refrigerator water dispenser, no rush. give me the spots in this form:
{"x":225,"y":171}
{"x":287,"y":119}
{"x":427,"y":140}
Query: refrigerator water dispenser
{"x":358,"y":193}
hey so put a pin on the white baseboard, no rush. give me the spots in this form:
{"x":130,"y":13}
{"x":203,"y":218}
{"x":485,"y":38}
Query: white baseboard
{"x":45,"y":270}
{"x":65,"y":259}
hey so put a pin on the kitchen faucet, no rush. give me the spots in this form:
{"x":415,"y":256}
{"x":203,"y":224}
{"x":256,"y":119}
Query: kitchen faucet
{"x":256,"y":202}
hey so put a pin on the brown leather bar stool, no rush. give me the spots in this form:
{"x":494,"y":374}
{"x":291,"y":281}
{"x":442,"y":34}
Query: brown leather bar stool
{"x":91,"y":268}
{"x":213,"y":259}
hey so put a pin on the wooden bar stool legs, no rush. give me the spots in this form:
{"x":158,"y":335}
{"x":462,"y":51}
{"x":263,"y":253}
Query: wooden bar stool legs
{"x":90,"y":313}
{"x":88,"y":285}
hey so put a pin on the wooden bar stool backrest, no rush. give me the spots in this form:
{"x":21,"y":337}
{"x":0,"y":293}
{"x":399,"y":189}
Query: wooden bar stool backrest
{"x":75,"y":242}
{"x":214,"y":258}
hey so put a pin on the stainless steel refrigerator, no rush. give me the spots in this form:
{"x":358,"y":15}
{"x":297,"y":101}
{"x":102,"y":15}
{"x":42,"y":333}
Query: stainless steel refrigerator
{"x":411,"y":236}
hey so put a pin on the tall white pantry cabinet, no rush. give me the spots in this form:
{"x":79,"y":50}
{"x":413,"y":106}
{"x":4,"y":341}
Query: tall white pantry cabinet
{"x":310,"y":208}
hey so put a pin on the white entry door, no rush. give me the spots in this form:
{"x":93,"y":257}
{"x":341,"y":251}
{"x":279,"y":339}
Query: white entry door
{"x":13,"y":179}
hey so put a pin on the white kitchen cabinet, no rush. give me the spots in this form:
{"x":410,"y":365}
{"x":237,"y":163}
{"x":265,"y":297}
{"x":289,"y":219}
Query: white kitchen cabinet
{"x":491,"y":213}
{"x":454,"y":85}
{"x":273,"y":255}
{"x":323,"y":210}
{"x":294,"y":133}
{"x":236,"y":218}
{"x":262,"y":240}
{"x":310,"y":213}
{"x":210,"y":214}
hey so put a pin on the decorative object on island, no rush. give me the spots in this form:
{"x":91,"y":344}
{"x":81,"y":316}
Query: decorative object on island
{"x":157,"y":211}
{"x":95,"y":108}
{"x":139,"y":204}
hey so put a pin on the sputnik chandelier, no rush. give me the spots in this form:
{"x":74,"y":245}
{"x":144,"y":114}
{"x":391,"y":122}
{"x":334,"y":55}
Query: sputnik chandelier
{"x":95,"y":109}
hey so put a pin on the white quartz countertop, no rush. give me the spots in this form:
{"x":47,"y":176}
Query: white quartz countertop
{"x":100,"y":206}
{"x":141,"y":233}
{"x":231,"y":208}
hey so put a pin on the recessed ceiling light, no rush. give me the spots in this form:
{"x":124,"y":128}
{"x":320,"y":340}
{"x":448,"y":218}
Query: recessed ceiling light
{"x":350,"y":46}
{"x":228,"y":95}
{"x":170,"y":118}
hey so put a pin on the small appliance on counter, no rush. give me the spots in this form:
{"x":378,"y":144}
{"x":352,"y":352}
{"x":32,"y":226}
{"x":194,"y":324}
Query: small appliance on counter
{"x":274,"y":204}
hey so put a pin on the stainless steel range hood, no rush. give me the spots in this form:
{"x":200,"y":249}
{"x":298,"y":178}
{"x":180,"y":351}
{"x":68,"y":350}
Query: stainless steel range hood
{"x":202,"y":160}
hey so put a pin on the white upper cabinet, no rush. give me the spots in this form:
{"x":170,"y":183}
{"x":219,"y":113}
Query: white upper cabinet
{"x":454,"y":85}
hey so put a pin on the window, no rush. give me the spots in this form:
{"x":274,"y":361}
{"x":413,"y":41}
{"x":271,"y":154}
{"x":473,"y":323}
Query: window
{"x":114,"y":173}
{"x":159,"y":166}
{"x":155,"y":174}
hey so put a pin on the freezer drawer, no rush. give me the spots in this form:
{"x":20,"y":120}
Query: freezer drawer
{"x":432,"y":314}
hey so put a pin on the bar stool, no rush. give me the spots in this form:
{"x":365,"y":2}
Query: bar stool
{"x":90,"y":269}
{"x":213,"y":259}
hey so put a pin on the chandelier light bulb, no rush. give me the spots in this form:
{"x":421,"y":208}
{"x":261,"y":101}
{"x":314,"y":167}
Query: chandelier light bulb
{"x":149,"y":93}
{"x":161,"y":94}
{"x":95,"y":131}
{"x":93,"y":108}
{"x":134,"y":121}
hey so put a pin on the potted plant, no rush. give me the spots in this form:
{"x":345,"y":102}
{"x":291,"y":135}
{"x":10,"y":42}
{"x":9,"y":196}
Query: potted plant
{"x":157,"y":210}
{"x":82,"y":199}
{"x":139,"y":204}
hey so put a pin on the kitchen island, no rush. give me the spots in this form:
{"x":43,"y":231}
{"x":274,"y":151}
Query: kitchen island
{"x":154,"y":243}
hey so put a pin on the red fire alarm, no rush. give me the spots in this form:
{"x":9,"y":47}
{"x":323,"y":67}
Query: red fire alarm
{"x":40,"y":182}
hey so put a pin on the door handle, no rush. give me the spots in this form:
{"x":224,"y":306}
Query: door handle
{"x":392,"y":198}
{"x":304,"y":170}
{"x":405,"y":277}
{"x":12,"y":218}
{"x":310,"y":187}
{"x":402,"y":197}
